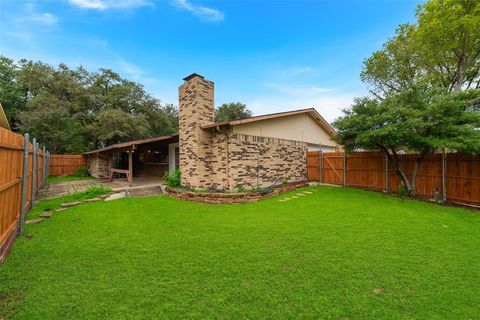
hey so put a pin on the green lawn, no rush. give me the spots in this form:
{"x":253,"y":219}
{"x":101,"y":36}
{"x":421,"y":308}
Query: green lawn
{"x":333,"y":254}
{"x":68,"y":178}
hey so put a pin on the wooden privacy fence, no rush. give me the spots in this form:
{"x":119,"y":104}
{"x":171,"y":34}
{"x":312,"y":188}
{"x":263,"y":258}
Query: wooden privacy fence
{"x":66,"y":164}
{"x":451,"y":177}
{"x":23,"y":171}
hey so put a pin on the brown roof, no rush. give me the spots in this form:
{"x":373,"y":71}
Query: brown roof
{"x":131,"y":143}
{"x":311,"y":111}
{"x":3,"y":119}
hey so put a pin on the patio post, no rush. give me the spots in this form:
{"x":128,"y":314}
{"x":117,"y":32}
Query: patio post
{"x":345,"y":168}
{"x":130,"y":168}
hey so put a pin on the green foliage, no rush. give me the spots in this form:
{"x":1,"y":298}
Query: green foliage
{"x":173,"y":179}
{"x":402,"y":191}
{"x":68,"y":178}
{"x":232,"y":111}
{"x":440,"y":50}
{"x":91,"y":192}
{"x":82,"y":172}
{"x":74,"y":110}
{"x":418,"y":120}
{"x":336,"y":253}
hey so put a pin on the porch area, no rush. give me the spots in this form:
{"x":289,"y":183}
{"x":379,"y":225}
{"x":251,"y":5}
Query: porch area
{"x":135,"y":160}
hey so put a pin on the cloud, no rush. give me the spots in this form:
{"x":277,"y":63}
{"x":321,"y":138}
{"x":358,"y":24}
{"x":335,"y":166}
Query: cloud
{"x":297,"y":90}
{"x":43,"y":18}
{"x":204,"y":13}
{"x":278,"y":97}
{"x":129,"y":68}
{"x":110,"y":4}
{"x":328,"y":105}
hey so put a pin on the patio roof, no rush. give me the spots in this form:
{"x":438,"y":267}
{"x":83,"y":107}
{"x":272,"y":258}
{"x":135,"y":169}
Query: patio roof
{"x":127,"y":144}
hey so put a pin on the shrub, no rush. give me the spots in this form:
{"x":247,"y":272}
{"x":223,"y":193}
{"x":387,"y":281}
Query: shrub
{"x":173,"y":178}
{"x":91,"y":192}
{"x":82,"y":172}
{"x":401,"y":190}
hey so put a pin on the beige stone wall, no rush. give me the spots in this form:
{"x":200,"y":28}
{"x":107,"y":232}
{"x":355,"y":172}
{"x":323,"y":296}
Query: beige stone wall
{"x":97,"y":165}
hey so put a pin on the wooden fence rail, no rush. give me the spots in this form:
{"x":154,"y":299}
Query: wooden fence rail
{"x":66,"y":164}
{"x":452,"y":177}
{"x":23,"y":171}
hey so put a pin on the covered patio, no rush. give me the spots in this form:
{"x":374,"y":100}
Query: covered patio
{"x":146,"y":158}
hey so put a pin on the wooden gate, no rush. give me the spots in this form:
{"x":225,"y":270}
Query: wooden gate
{"x":327,"y":167}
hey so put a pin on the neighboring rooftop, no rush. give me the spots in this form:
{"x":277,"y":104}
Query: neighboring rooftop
{"x":311,"y":111}
{"x":3,"y":119}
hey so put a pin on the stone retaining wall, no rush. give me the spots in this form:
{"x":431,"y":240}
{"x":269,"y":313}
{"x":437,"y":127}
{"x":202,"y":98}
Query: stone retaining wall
{"x":230,"y":198}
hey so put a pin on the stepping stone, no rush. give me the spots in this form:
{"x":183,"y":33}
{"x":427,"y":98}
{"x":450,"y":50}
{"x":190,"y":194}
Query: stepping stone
{"x":93,"y":200}
{"x":61,"y":209}
{"x":294,"y":197}
{"x":70,"y":204}
{"x":46,"y":214}
{"x":282,"y":200}
{"x":116,"y":196}
{"x":287,"y":199}
{"x":33,"y":221}
{"x":301,"y":194}
{"x":307,"y":192}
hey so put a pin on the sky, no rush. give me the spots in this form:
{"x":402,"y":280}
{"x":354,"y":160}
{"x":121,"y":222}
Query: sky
{"x":272,"y":55}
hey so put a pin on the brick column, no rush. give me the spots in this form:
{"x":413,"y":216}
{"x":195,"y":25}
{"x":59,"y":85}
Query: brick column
{"x":196,"y":109}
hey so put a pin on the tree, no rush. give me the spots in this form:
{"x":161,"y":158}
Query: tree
{"x":113,"y":126}
{"x":441,"y":50}
{"x":47,"y":118}
{"x":12,"y":92}
{"x":67,"y":107}
{"x":419,"y":120}
{"x":232,"y":111}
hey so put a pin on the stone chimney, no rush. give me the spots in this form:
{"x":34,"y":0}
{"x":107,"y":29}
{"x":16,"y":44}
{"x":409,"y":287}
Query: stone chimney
{"x":196,"y":109}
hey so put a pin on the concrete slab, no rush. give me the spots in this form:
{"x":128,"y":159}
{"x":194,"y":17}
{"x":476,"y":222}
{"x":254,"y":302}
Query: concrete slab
{"x":70,"y":204}
{"x":34,"y":221}
{"x":116,"y":196}
{"x":46,"y":214}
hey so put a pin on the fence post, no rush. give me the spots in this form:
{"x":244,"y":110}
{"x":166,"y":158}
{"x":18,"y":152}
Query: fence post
{"x":44,"y":171}
{"x":320,"y":165}
{"x":48,"y":166}
{"x":387,"y":182}
{"x":37,"y":166}
{"x":444,"y":177}
{"x":34,"y":164}
{"x":23,"y":201}
{"x":345,"y":168}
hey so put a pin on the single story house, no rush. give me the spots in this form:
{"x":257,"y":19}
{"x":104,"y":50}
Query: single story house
{"x":256,"y":152}
{"x":3,"y":119}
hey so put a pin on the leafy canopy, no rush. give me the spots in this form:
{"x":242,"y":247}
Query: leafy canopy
{"x":74,"y":110}
{"x":232,"y":111}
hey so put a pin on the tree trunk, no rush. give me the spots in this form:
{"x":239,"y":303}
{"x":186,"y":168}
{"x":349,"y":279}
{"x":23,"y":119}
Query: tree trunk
{"x":393,"y":158}
{"x":418,"y":161}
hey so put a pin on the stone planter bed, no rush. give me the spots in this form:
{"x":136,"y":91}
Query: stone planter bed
{"x":231,"y":197}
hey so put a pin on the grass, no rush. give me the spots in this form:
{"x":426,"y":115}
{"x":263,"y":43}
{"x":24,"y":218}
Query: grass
{"x":333,"y":254}
{"x":68,"y":178}
{"x":52,"y":204}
